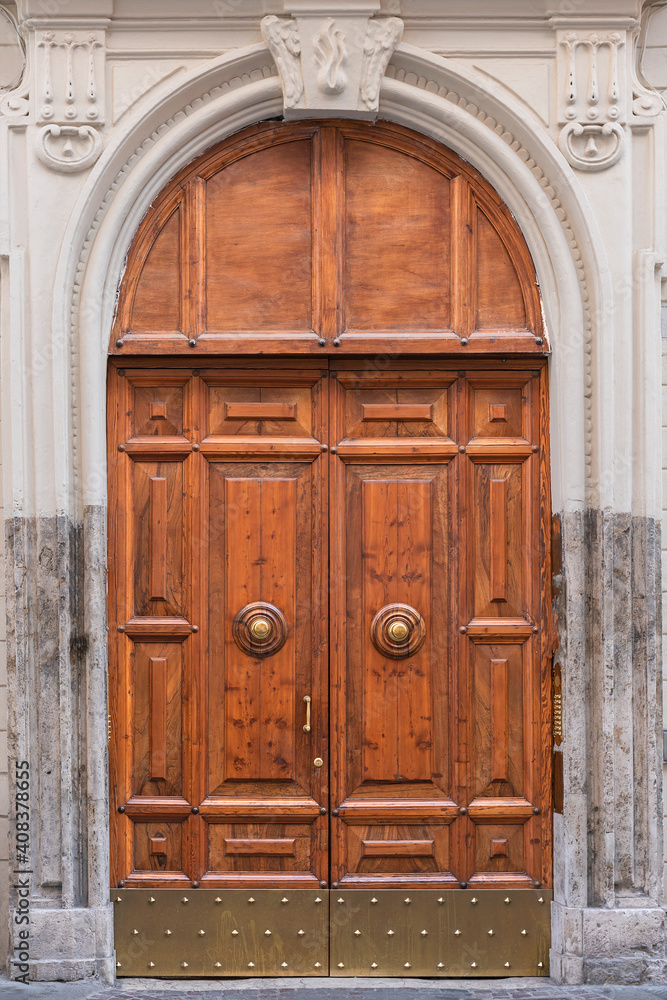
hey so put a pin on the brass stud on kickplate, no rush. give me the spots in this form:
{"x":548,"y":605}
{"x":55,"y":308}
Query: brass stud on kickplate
{"x":135,"y":931}
{"x":118,"y":899}
{"x":235,"y":933}
{"x":373,"y":900}
{"x":251,"y":965}
{"x":201,"y":933}
{"x":185,"y":900}
{"x":374,"y":965}
{"x":318,"y":965}
{"x":441,"y":900}
{"x":357,"y":933}
{"x":408,"y":900}
{"x":540,"y":965}
{"x":441,"y":965}
{"x":151,"y":965}
{"x":473,"y":965}
{"x":340,"y":965}
{"x":389,"y":933}
{"x":167,"y":933}
{"x":424,"y":933}
{"x":490,"y":933}
{"x":407,"y":966}
{"x":151,"y":899}
{"x":540,"y":900}
{"x":251,"y":899}
{"x":474,"y":900}
{"x":267,"y":933}
{"x":457,"y":933}
{"x":284,"y":900}
{"x":340,"y":900}
{"x":118,"y":965}
{"x":507,"y":899}
{"x":300,"y":933}
{"x":524,"y":933}
{"x":218,"y":965}
{"x":317,"y":899}
{"x":507,"y":965}
{"x":283,"y":965}
{"x":184,"y":965}
{"x":217,"y":899}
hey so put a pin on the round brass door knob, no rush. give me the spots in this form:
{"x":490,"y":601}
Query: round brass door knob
{"x":398,"y":630}
{"x":259,"y":629}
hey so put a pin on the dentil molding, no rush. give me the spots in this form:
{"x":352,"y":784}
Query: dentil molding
{"x":331,"y":66}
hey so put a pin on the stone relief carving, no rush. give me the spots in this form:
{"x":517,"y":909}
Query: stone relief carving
{"x":282,"y":37}
{"x":592,"y":105}
{"x":14,"y":96}
{"x":70,"y":79}
{"x":68,"y":148}
{"x":70,"y":99}
{"x":382,"y":37}
{"x":330,"y":55}
{"x":334,"y":66}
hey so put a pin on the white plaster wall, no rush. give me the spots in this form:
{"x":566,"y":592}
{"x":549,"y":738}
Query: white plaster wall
{"x":664,"y":568}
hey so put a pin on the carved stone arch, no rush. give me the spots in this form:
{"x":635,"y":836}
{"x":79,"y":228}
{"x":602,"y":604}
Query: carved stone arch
{"x":176,"y":124}
{"x":170,"y":300}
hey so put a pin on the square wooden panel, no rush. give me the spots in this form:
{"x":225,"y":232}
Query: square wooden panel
{"x":168,"y":838}
{"x":500,"y":406}
{"x":158,"y":404}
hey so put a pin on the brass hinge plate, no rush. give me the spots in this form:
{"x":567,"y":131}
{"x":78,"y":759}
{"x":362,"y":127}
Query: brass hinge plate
{"x":387,"y":933}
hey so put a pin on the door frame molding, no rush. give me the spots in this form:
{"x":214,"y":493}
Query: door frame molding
{"x":171,"y":126}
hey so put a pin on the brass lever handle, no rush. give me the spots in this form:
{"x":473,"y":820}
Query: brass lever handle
{"x":307,"y":699}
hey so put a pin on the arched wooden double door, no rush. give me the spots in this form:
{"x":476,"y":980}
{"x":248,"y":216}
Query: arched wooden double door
{"x":329,"y":572}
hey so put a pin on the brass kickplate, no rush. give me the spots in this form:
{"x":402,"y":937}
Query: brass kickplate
{"x":425,"y":932}
{"x":202,"y":933}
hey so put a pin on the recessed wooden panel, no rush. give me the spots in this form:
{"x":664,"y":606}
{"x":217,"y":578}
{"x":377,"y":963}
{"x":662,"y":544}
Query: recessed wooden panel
{"x":497,"y":408}
{"x":500,"y":303}
{"x":157,"y":525}
{"x":263,"y":410}
{"x":258,"y":241}
{"x":159,"y":696}
{"x":157,"y":301}
{"x":157,"y":409}
{"x":169,"y":836}
{"x":397,"y":244}
{"x":499,"y":538}
{"x":258,"y":849}
{"x":378,"y":852}
{"x":394,"y":411}
{"x":498,"y":686}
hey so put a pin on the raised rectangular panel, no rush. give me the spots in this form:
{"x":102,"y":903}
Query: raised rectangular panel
{"x":158,"y":717}
{"x":261,"y":847}
{"x":498,"y":539}
{"x":157,"y":532}
{"x":266,"y":411}
{"x":157,"y":736}
{"x":158,"y":539}
{"x":397,"y":848}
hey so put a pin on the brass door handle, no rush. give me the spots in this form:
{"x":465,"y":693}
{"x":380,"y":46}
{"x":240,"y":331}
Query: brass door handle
{"x":307,"y":699}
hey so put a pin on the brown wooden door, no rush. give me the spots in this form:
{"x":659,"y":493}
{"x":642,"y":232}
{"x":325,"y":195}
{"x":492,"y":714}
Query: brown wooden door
{"x":329,"y":494}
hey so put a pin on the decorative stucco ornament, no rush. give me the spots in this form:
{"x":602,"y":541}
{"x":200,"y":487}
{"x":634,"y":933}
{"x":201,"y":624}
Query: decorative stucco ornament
{"x":70,"y":99}
{"x":68,"y":148}
{"x":592,"y":99}
{"x":331,"y":67}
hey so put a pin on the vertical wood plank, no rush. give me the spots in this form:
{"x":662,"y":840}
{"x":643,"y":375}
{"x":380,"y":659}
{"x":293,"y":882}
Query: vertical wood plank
{"x":498,"y":539}
{"x":158,"y":718}
{"x":332,"y":214}
{"x":158,"y":538}
{"x":463,"y":256}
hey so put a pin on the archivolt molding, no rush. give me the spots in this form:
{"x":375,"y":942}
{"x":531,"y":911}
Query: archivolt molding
{"x":399,"y":71}
{"x":210,"y":103}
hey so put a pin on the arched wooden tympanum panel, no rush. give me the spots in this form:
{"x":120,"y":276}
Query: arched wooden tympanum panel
{"x":309,"y":237}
